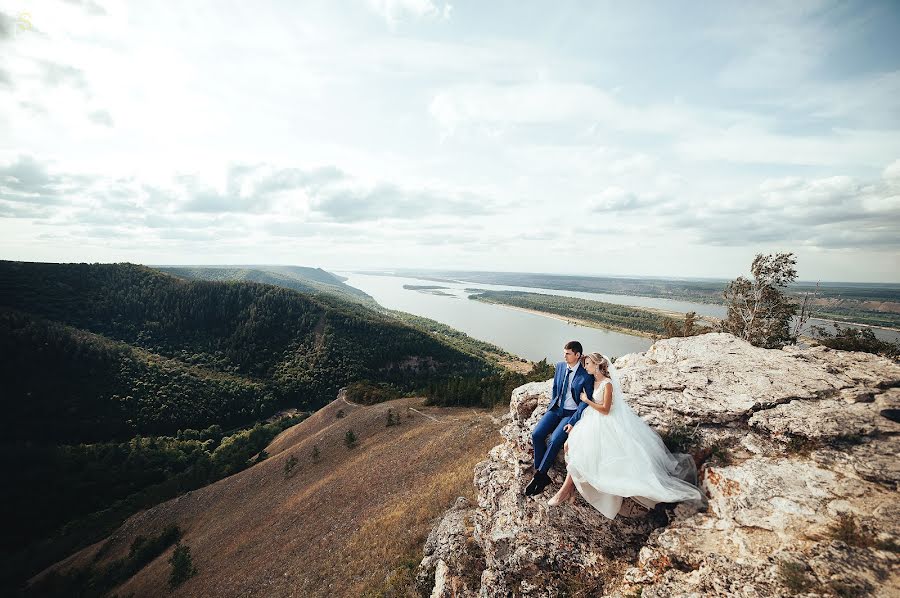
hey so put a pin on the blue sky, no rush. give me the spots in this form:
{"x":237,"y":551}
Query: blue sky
{"x":657,"y":138}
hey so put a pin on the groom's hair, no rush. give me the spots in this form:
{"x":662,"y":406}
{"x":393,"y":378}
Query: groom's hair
{"x":575,"y":347}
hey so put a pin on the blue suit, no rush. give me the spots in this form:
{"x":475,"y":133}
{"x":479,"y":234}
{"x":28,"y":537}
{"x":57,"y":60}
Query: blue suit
{"x":555,"y":419}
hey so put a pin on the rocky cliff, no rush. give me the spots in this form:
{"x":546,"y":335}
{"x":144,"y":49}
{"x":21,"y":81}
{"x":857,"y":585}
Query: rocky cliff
{"x":798,"y":453}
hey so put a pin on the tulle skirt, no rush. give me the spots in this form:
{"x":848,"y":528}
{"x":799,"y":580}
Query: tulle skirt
{"x":619,"y":455}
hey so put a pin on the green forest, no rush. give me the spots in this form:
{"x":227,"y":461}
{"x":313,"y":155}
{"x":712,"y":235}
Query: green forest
{"x":125,"y":386}
{"x":484,"y":391}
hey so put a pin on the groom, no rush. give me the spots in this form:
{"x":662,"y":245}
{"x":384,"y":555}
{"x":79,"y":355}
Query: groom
{"x":563,"y":412}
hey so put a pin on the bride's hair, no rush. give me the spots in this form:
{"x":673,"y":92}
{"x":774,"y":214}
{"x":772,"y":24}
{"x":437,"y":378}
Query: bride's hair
{"x":601,"y":362}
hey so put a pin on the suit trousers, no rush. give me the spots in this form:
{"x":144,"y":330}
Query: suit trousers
{"x":552,"y":423}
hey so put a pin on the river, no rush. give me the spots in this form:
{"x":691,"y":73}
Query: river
{"x":525,"y":334}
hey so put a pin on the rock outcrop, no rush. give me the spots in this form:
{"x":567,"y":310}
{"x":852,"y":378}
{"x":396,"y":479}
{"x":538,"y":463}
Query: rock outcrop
{"x":798,"y":454}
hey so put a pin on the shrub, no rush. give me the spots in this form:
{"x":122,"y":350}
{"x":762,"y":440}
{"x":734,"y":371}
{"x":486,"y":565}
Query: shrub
{"x":856,"y":339}
{"x":370,"y":393}
{"x":289,"y":465}
{"x":392,"y":418}
{"x":679,"y":438}
{"x":182,"y":566}
{"x":687,"y":328}
{"x":793,"y":576}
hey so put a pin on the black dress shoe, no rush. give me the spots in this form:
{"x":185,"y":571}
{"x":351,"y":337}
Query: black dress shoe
{"x":537,"y":484}
{"x":543,"y":481}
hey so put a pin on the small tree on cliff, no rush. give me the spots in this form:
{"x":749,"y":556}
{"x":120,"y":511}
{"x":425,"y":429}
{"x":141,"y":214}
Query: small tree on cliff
{"x":758,"y":310}
{"x":690,"y":327}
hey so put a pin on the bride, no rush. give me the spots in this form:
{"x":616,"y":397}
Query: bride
{"x":612,"y":453}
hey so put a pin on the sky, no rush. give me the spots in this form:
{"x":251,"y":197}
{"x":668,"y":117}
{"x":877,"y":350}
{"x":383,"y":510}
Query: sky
{"x":642,"y":138}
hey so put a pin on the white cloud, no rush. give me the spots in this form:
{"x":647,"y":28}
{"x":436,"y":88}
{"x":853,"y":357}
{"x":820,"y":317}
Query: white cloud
{"x":280,"y":130}
{"x":393,"y":11}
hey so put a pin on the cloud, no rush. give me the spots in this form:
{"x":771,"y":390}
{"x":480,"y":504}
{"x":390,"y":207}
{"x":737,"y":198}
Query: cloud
{"x":89,"y":6}
{"x":194,"y":195}
{"x":616,"y":199}
{"x":101,"y":117}
{"x":28,"y":181}
{"x":55,"y":74}
{"x":389,"y":201}
{"x":10,"y":209}
{"x":549,"y":101}
{"x":288,"y":179}
{"x":838,"y":212}
{"x":6,"y":26}
{"x":393,"y":11}
{"x":317,"y":195}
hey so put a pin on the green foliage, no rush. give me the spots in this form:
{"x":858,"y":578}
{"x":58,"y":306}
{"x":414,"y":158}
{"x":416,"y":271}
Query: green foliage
{"x":289,"y":465}
{"x":340,"y":414}
{"x":96,"y":352}
{"x":455,"y":338}
{"x":316,"y":454}
{"x":392,"y":418}
{"x":366,"y":392}
{"x":85,"y":491}
{"x":484,"y":391}
{"x":679,"y":438}
{"x":759,"y":310}
{"x":595,"y":312}
{"x":90,"y":581}
{"x":856,"y":339}
{"x":350,"y":439}
{"x":182,"y":566}
{"x":688,"y":327}
{"x":540,"y":371}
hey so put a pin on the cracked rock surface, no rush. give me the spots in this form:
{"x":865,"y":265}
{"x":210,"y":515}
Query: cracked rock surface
{"x":798,"y":452}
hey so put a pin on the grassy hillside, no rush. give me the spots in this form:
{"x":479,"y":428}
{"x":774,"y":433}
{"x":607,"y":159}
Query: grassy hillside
{"x":351,"y":522}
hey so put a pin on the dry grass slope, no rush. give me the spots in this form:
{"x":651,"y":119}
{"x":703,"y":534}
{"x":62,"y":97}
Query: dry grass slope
{"x":339,"y":526}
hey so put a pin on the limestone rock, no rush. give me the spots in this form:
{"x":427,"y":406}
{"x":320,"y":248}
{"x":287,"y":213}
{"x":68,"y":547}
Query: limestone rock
{"x":792,"y":439}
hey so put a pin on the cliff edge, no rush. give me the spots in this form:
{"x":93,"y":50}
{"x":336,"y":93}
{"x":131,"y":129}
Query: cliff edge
{"x":798,"y":455}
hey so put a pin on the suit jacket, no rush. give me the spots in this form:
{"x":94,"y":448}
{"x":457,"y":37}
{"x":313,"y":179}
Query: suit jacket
{"x":581,"y":380}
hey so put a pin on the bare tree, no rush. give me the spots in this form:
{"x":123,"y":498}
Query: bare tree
{"x":758,"y":310}
{"x":805,"y":311}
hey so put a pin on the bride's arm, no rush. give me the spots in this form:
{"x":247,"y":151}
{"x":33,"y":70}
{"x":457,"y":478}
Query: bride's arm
{"x":604,"y":404}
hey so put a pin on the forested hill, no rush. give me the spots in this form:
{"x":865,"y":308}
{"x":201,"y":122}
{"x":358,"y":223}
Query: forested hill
{"x":299,"y":278}
{"x":104,"y":351}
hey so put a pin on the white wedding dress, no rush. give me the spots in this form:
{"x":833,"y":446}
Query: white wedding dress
{"x":618,"y":455}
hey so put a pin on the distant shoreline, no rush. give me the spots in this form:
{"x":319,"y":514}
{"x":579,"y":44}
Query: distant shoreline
{"x":677,"y":316}
{"x":578,"y":321}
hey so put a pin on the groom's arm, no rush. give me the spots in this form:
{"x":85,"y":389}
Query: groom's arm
{"x":589,"y":389}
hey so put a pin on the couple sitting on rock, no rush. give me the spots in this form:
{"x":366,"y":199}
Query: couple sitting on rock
{"x":610,"y":452}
